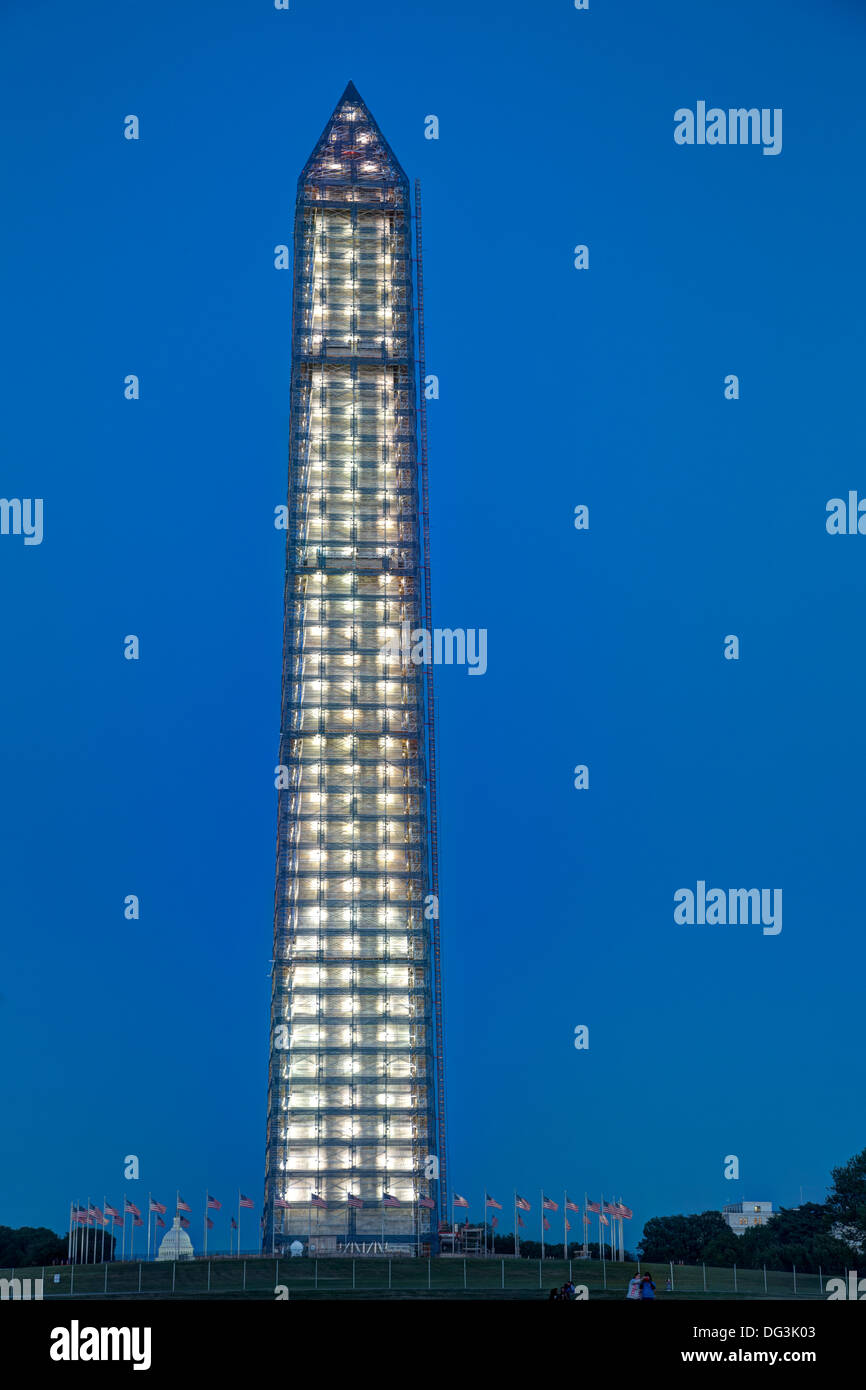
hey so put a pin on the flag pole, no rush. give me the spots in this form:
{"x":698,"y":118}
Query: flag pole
{"x":542,"y":1223}
{"x":205,"y":1221}
{"x":485,"y":1223}
{"x":564,"y":1225}
{"x":600,"y":1246}
{"x":239,"y":1223}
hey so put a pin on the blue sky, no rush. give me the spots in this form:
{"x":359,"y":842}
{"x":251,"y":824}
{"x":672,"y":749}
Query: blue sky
{"x":558,"y":387}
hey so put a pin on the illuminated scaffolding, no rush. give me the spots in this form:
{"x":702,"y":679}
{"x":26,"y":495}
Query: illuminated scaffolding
{"x":356,"y":1087}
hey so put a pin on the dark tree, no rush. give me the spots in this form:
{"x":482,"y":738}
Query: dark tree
{"x":27,"y":1246}
{"x":682,"y":1237}
{"x":846,"y":1203}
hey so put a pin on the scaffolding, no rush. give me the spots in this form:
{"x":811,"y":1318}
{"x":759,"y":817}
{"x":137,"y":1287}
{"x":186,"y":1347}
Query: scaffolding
{"x":355,"y":1064}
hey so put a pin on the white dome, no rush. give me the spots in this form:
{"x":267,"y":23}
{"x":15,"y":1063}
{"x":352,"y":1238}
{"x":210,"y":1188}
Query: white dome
{"x":176,"y":1244}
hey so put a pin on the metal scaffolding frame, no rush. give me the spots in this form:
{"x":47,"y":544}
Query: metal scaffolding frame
{"x":433,"y":812}
{"x":356,"y":1089}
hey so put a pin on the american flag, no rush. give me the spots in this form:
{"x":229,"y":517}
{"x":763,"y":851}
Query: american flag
{"x":494,"y":1222}
{"x":522,"y":1204}
{"x":280,"y":1205}
{"x":138,"y":1221}
{"x":182,"y":1205}
{"x":593,"y":1206}
{"x":209,"y":1223}
{"x":567,"y":1224}
{"x":626,"y":1212}
{"x":315,"y":1201}
{"x":159,"y":1221}
{"x":354,"y":1201}
{"x":520,"y":1221}
{"x":112,"y":1211}
{"x":234,"y":1224}
{"x":157,"y":1206}
{"x":548,"y":1203}
{"x":93,"y":1210}
{"x":459,"y":1201}
{"x":131,"y":1207}
{"x":213,"y":1204}
{"x":571,"y":1206}
{"x":183,"y":1222}
{"x":427,"y":1202}
{"x":246,"y":1201}
{"x":604,"y":1221}
{"x":546,"y":1224}
{"x":118,"y":1219}
{"x":610,"y":1207}
{"x":388,"y":1200}
{"x":492,"y":1202}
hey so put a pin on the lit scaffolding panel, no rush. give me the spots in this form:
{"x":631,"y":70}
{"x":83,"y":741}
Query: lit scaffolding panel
{"x":352,"y":1094}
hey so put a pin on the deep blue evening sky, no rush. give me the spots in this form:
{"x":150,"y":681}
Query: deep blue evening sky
{"x":558,"y":387}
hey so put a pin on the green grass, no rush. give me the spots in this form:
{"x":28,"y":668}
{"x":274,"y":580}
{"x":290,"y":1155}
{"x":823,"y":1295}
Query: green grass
{"x":406,"y":1278}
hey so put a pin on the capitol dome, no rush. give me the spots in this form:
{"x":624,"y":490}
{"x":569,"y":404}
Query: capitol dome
{"x":176,"y":1244}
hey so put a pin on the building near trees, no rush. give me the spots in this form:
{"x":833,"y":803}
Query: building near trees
{"x":742,"y":1216}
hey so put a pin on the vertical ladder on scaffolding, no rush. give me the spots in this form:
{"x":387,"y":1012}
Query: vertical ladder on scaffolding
{"x":431,"y":730}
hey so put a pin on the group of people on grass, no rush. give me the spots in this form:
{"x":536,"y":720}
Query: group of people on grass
{"x":641,"y":1286}
{"x":566,"y":1292}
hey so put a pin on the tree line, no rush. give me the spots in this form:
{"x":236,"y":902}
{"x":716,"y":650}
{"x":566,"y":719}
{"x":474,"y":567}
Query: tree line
{"x":825,"y":1235}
